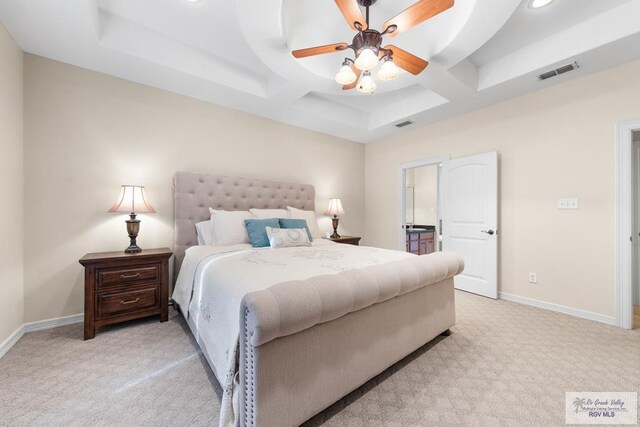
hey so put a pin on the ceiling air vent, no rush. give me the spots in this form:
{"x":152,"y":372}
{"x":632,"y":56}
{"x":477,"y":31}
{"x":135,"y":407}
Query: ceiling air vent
{"x":403,"y":124}
{"x":558,"y":71}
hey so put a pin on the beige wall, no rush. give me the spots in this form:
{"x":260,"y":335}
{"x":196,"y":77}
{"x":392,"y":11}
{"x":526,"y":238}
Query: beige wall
{"x":88,"y":133}
{"x":11,"y":214}
{"x":558,"y":142}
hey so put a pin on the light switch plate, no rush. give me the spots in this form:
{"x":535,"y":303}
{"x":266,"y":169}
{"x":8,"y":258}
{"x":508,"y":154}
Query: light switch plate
{"x":568,"y":203}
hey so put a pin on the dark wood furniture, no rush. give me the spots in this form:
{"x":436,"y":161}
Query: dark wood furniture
{"x":421,"y":242}
{"x":348,"y":240}
{"x":122,"y":286}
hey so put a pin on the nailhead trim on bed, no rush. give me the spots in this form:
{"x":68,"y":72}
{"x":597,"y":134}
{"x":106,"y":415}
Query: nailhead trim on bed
{"x":194,"y":194}
{"x":249,"y":410}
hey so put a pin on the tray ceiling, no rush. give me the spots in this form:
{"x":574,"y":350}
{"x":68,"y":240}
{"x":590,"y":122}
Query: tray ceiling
{"x":236,"y":53}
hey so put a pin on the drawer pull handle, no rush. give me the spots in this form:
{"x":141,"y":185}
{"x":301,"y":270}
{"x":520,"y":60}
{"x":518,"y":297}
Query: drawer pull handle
{"x":133,"y":301}
{"x":129,"y":276}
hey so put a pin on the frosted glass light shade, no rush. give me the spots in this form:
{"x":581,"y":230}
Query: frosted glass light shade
{"x":335,"y":208}
{"x":388,"y":71}
{"x":367,"y":60}
{"x":346,"y":76}
{"x":132,"y":200}
{"x":366,"y":85}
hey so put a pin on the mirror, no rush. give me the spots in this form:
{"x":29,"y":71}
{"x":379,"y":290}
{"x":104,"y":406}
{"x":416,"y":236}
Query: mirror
{"x":409,"y":207}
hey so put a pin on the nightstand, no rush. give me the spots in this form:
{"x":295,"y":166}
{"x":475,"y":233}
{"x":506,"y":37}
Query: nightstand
{"x":120,"y":287}
{"x":348,"y":240}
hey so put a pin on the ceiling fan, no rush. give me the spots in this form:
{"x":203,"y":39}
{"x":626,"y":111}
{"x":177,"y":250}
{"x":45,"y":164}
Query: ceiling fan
{"x":367,"y":44}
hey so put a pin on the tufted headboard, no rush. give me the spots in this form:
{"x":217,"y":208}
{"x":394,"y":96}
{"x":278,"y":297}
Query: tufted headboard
{"x":195,"y":193}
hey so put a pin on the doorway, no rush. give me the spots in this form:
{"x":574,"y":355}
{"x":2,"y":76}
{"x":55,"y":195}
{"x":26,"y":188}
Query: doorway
{"x":635,"y":293}
{"x":406,"y":206}
{"x":421,"y":209}
{"x":462,"y":215}
{"x":627,"y":222}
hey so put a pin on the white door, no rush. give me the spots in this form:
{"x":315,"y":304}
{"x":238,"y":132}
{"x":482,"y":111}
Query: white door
{"x":469,"y":198}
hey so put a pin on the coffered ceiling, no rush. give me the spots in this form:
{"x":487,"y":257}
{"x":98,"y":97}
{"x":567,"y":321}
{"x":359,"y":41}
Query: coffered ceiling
{"x":236,"y":53}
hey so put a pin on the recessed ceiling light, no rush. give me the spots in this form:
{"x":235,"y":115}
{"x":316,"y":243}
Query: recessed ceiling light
{"x":537,"y":4}
{"x":193,"y":1}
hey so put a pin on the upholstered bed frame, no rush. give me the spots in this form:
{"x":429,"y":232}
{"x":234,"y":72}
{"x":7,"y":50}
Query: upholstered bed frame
{"x":304,"y":346}
{"x":194,"y":194}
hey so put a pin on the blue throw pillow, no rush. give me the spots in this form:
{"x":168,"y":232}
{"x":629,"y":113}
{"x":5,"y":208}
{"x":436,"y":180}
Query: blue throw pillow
{"x":256,"y":229}
{"x":295,"y":223}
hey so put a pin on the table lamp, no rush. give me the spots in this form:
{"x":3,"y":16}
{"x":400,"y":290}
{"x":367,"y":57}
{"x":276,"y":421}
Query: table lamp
{"x":335,"y":209}
{"x":132,"y":200}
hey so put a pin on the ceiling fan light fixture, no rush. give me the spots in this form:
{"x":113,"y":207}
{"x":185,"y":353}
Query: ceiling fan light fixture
{"x":345,"y":76}
{"x":366,"y":84}
{"x":367,"y":43}
{"x":367,"y":59}
{"x":388,"y":71}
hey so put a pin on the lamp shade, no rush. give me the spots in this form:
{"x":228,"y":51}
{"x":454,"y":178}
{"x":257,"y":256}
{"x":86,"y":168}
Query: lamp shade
{"x":335,"y":208}
{"x":132,"y":200}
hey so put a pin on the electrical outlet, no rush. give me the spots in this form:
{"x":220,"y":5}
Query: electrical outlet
{"x":533,"y":277}
{"x":568,"y":203}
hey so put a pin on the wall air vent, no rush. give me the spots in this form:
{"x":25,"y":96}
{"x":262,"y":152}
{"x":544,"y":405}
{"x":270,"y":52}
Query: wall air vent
{"x":403,"y":124}
{"x":553,"y":73}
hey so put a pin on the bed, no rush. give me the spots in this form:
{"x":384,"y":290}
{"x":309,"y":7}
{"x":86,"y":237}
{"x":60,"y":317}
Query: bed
{"x":290,"y":331}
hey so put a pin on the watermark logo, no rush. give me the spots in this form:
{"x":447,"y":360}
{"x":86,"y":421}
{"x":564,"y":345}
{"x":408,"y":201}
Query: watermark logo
{"x":601,"y":407}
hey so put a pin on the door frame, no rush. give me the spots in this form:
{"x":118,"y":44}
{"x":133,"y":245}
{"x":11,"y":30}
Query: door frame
{"x":625,"y":211}
{"x":402,"y":176}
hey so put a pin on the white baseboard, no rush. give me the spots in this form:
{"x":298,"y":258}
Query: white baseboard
{"x":38,"y":326}
{"x":11,"y":341}
{"x":53,"y":323}
{"x":596,"y":317}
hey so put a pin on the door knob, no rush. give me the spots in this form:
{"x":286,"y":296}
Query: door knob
{"x":489,"y":232}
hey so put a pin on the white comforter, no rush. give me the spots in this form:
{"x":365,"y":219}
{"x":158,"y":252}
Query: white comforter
{"x":213,"y":280}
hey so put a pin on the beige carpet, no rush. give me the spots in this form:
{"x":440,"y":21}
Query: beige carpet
{"x":504,"y":364}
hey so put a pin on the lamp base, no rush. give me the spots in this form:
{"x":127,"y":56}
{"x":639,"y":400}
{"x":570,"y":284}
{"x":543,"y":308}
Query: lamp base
{"x":334,"y":222}
{"x":133,"y":249}
{"x":133,"y":227}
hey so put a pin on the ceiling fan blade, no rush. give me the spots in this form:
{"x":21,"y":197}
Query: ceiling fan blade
{"x":352,"y":13}
{"x":416,"y":14}
{"x":407,"y":61}
{"x":355,"y":83}
{"x":319,"y":50}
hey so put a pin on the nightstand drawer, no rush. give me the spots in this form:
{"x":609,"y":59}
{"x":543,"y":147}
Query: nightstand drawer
{"x":120,"y":276}
{"x":124,"y":302}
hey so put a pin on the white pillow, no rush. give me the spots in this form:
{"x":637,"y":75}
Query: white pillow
{"x":310,"y":217}
{"x":204,"y":231}
{"x":269,"y":213}
{"x":287,"y":237}
{"x":228,"y":227}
